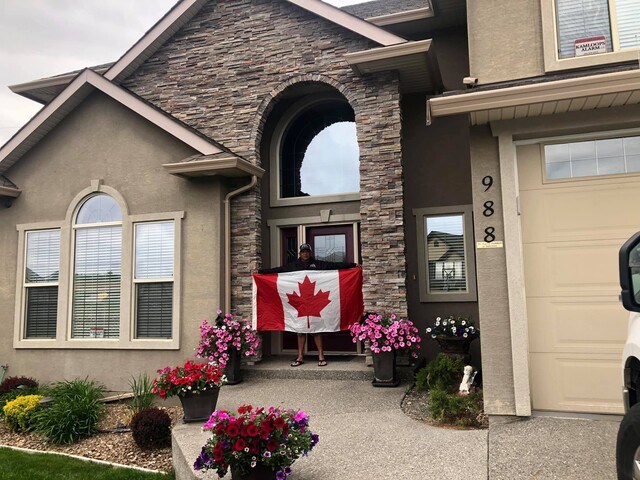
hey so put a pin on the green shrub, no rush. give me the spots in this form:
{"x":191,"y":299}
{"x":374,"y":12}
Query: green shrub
{"x":13,"y":394}
{"x":151,"y":428}
{"x":142,"y":389}
{"x":19,"y":413}
{"x":462,"y":410}
{"x":443,"y":372}
{"x":12,"y":383}
{"x":74,"y":413}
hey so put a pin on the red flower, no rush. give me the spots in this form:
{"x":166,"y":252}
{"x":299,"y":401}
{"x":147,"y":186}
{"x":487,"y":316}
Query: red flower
{"x":239,"y":445}
{"x":279,"y":422}
{"x":233,"y":430}
{"x":244,"y":431}
{"x":272,"y":445}
{"x":220,"y":428}
{"x":252,"y":430}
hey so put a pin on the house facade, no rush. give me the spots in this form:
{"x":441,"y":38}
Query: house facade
{"x":145,"y":193}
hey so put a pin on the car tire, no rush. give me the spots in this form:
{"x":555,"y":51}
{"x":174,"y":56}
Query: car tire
{"x":628,"y":445}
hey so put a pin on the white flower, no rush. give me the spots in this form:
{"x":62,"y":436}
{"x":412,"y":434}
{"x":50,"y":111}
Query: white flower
{"x":437,"y":324}
{"x":453,"y":329}
{"x":463,"y":323}
{"x":429,"y":330}
{"x":465,"y":335}
{"x":438,"y":319}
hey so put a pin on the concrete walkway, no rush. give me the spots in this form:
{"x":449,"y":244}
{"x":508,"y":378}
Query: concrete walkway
{"x":365,"y":435}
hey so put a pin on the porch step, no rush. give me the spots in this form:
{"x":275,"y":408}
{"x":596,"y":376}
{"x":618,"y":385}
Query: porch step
{"x":339,"y":367}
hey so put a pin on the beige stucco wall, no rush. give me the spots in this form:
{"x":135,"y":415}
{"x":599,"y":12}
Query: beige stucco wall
{"x":491,"y":271}
{"x":102,"y":139}
{"x":505,"y":39}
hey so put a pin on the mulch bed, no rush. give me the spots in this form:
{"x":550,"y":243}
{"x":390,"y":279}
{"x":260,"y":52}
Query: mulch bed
{"x":111,"y":447}
{"x":415,"y":405}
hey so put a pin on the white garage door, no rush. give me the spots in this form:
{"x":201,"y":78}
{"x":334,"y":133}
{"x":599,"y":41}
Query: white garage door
{"x":572,"y":229}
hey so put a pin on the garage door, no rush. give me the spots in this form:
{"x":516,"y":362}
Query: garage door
{"x":572,"y":229}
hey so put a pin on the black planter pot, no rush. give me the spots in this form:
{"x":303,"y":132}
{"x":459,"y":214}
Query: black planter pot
{"x":260,"y":472}
{"x":455,"y":346}
{"x":232,"y":369}
{"x":384,"y":369}
{"x":198,"y":407}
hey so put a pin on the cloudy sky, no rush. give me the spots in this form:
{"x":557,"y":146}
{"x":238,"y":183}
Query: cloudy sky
{"x":41,"y":38}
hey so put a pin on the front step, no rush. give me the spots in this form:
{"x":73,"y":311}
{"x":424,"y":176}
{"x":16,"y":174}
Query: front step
{"x":343,"y":367}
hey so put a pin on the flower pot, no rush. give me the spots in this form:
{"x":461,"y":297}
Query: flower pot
{"x":384,"y":369}
{"x":260,"y":472}
{"x":456,"y":346}
{"x":198,"y":406}
{"x":232,"y":370}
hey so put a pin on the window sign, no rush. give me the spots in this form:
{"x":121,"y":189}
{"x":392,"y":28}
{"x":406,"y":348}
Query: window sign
{"x":590,"y":46}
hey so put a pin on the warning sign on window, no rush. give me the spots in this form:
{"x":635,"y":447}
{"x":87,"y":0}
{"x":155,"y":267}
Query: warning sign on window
{"x":590,"y":46}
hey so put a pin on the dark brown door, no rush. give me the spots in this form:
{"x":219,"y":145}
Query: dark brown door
{"x":331,"y":244}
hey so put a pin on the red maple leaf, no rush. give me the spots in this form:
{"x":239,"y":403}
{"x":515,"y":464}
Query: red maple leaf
{"x":308,"y":303}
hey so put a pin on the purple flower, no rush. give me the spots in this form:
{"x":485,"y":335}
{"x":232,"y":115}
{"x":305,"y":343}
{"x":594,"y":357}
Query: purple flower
{"x":280,"y":475}
{"x":287,"y":470}
{"x":314,"y":440}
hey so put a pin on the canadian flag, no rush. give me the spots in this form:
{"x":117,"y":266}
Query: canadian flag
{"x":307,"y":301}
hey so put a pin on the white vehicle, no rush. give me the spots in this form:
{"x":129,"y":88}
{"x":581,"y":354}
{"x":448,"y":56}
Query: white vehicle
{"x":628,"y":444}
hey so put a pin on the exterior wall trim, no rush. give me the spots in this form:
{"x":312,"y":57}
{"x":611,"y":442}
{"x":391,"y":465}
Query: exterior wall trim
{"x":515,"y":275}
{"x":85,"y":83}
{"x":402,"y":17}
{"x":510,"y":97}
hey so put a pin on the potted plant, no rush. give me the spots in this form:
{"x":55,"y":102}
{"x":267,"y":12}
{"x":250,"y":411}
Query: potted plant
{"x":454,"y":334}
{"x":197,"y":385}
{"x":226,"y":342}
{"x":386,"y":334}
{"x":255,"y":443}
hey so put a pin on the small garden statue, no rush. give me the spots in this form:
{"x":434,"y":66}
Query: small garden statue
{"x":467,"y":380}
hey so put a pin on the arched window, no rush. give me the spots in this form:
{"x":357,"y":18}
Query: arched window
{"x":97,"y":268}
{"x":319,"y":152}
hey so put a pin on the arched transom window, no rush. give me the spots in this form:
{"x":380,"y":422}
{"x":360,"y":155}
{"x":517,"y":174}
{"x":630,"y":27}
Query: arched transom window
{"x":319,"y":152}
{"x":97,"y":269}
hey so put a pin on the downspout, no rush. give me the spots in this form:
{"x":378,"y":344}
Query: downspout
{"x":227,"y":240}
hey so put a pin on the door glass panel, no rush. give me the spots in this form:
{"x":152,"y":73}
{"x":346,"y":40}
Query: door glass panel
{"x":330,"y":248}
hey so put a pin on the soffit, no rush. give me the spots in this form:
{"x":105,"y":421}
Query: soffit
{"x":547,"y":98}
{"x":415,"y":63}
{"x":221,"y":164}
{"x":45,"y":89}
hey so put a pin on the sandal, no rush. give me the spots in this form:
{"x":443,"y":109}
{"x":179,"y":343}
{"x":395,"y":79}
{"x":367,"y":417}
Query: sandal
{"x":297,"y":363}
{"x":322,"y":363}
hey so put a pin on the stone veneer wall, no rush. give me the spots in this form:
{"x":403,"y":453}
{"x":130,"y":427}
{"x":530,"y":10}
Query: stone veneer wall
{"x":223,"y":72}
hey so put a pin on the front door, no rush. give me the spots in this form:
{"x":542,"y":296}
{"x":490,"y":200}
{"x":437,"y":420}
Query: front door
{"x":331,"y":244}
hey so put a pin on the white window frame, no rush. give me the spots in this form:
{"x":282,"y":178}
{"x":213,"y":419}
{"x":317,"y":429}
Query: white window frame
{"x":275,"y":156}
{"x":24,"y":285}
{"x":158,"y":218}
{"x":550,"y":43}
{"x":126,"y":340}
{"x":421,"y":215}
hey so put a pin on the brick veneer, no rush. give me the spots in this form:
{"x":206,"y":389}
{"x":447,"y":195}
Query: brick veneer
{"x":223,"y":72}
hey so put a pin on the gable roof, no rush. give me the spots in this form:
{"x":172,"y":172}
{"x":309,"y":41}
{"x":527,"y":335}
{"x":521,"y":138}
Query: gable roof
{"x":85,"y":83}
{"x":185,"y":10}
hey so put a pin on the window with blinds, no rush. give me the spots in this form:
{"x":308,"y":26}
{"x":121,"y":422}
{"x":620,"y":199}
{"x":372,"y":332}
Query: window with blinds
{"x":153,"y":279}
{"x":96,"y":283}
{"x":97,"y":269}
{"x":588,"y":22}
{"x":41,"y":283}
{"x":445,"y":254}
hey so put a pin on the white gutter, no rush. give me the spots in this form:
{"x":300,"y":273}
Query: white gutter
{"x":227,"y":240}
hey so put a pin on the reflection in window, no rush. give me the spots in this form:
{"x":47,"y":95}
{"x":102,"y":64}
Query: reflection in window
{"x":320,"y":153}
{"x":592,"y":158}
{"x":97,"y":270}
{"x":330,"y":248}
{"x":445,"y":254}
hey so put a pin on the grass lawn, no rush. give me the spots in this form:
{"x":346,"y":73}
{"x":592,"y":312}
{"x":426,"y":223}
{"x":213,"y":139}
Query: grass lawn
{"x":15,"y":465}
